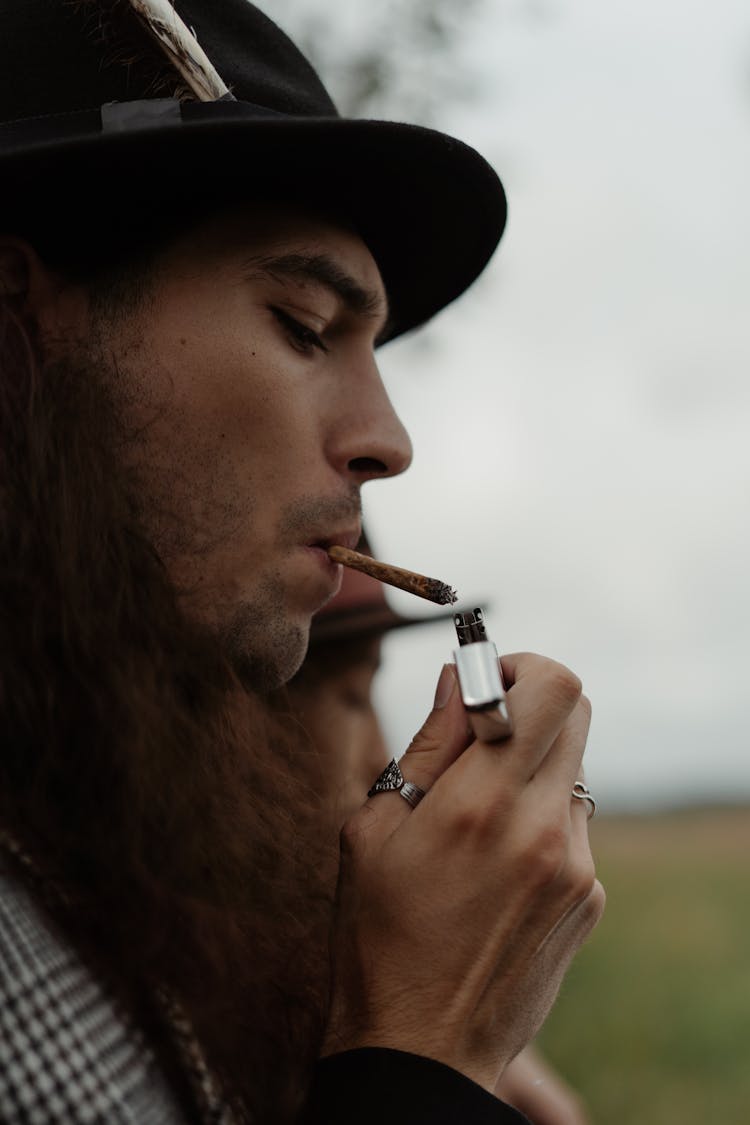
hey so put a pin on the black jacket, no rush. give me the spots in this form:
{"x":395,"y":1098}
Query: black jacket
{"x":374,"y":1086}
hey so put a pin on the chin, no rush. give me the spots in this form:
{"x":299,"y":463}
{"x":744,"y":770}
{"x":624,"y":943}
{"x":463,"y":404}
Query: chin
{"x":265,"y":653}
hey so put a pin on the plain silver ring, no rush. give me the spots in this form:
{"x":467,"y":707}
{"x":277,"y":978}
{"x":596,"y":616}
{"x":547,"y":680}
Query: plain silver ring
{"x":582,"y":792}
{"x":411,"y":793}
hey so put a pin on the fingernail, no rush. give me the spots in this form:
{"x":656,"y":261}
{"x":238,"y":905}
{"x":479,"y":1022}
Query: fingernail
{"x":445,"y":686}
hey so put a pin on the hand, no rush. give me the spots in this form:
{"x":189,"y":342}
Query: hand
{"x":457,"y":920}
{"x":531,"y":1085}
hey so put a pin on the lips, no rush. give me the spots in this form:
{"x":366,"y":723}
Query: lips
{"x":346,"y":537}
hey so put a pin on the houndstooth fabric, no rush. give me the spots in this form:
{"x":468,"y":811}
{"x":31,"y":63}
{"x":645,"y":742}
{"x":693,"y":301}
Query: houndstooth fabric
{"x":67,"y":1054}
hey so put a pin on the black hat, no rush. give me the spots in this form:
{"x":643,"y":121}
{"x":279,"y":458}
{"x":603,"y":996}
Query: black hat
{"x":76,"y":169}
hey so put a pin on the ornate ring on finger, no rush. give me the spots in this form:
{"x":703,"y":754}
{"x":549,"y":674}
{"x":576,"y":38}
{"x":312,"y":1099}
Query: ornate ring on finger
{"x":391,"y":780}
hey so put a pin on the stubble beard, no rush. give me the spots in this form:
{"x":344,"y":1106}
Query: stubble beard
{"x":192,"y":514}
{"x":193,"y":507}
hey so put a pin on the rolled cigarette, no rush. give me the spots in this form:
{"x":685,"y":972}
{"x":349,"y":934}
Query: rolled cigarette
{"x":430,"y":588}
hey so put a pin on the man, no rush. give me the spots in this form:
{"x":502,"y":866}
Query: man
{"x":199,"y":259}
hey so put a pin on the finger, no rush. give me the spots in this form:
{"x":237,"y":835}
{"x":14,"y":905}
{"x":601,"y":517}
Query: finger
{"x":562,"y":766}
{"x":582,"y":891}
{"x":580,"y":826}
{"x":564,"y":938}
{"x":442,"y":738}
{"x":543,"y":695}
{"x":571,"y":932}
{"x":585,"y":800}
{"x":519,"y":666}
{"x":487,"y":775}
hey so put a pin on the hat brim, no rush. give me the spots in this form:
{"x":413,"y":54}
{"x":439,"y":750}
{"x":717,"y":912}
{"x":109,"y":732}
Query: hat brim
{"x":364,"y":621}
{"x":430,"y":208}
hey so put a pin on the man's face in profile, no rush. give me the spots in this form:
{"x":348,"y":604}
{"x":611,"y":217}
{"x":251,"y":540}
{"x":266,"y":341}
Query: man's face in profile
{"x":245,"y":376}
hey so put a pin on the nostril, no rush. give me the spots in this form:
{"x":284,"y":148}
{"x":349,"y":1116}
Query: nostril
{"x":369,"y":465}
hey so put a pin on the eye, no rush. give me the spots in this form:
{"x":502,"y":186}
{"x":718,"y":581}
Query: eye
{"x":302,"y":337}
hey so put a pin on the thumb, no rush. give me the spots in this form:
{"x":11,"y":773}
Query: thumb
{"x":443,"y":737}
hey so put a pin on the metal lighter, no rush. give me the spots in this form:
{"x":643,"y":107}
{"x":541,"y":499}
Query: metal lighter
{"x":479,"y":678}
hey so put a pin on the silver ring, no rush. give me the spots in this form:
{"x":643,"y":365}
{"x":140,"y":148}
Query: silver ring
{"x":582,"y":792}
{"x":391,"y":780}
{"x":411,"y":793}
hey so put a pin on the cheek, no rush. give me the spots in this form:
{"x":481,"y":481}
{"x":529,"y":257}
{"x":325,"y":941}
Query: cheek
{"x":271,"y":438}
{"x":231,"y":412}
{"x":227,"y":403}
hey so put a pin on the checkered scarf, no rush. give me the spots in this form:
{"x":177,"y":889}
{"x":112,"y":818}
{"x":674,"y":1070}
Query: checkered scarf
{"x":68,"y":1052}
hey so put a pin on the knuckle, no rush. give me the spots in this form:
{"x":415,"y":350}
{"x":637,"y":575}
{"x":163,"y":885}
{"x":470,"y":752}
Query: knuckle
{"x":596,"y":901}
{"x":351,"y":835}
{"x":581,"y":878}
{"x":592,"y":908}
{"x":564,"y":686}
{"x":478,"y":816}
{"x":423,"y":746}
{"x":585,"y":703}
{"x":471,"y":819}
{"x":545,"y":854}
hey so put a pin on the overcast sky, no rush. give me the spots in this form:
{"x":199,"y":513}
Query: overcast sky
{"x":581,"y":418}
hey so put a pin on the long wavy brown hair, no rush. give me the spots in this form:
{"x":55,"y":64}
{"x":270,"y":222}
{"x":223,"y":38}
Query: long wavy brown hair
{"x":159,"y":797}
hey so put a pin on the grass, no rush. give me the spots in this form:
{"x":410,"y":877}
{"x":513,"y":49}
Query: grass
{"x":653,"y":1023}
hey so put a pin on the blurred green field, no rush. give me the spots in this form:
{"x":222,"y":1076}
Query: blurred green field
{"x":653,"y":1023}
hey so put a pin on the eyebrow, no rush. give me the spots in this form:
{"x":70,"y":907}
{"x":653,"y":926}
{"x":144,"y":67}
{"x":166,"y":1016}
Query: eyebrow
{"x":324,"y":270}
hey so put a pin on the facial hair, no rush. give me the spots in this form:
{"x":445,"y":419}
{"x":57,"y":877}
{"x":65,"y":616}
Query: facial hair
{"x":195,"y":509}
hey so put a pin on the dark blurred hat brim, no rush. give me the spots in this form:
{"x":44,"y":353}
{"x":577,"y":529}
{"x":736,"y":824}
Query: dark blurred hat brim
{"x":430,"y":208}
{"x":363,"y":622}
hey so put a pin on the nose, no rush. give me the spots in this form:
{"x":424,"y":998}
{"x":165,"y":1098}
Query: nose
{"x":369,"y":439}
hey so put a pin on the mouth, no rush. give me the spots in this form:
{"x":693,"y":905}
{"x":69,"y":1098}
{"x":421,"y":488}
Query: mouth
{"x":333,"y":571}
{"x":345,"y":538}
